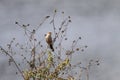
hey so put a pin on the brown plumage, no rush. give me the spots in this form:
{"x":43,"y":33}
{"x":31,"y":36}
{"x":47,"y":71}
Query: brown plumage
{"x":49,"y":40}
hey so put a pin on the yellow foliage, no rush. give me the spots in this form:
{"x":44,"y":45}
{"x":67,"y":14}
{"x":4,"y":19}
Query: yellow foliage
{"x":49,"y":59}
{"x":62,"y":65}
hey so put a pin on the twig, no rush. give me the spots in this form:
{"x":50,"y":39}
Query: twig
{"x":3,"y":50}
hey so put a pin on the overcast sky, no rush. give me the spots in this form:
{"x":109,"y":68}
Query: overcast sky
{"x":97,"y":21}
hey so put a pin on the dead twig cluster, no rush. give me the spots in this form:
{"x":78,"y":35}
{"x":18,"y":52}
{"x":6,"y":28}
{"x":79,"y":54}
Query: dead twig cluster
{"x":42,"y":63}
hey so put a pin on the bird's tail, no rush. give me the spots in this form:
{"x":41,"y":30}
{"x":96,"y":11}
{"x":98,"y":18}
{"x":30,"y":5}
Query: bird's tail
{"x":51,"y":47}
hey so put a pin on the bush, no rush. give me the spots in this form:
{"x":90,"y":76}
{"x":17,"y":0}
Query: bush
{"x":40,"y":62}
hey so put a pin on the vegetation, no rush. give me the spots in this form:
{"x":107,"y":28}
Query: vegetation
{"x":39,"y":62}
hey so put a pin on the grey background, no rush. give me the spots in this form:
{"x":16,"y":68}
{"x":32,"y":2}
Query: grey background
{"x":97,"y":21}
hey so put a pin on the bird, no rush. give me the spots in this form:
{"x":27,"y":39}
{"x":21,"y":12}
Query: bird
{"x":49,"y":40}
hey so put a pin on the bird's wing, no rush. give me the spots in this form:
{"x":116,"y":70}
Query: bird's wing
{"x":49,"y":40}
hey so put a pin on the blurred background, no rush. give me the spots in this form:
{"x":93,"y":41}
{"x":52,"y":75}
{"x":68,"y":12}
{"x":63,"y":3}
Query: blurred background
{"x":96,"y":21}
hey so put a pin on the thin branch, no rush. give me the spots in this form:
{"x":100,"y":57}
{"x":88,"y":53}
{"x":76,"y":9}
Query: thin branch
{"x":3,"y":50}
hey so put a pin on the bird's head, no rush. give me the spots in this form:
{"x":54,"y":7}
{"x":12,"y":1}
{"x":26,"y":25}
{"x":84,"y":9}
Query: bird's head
{"x":49,"y":33}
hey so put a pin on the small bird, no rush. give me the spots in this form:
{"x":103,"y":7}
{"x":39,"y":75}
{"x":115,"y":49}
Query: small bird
{"x":49,"y":40}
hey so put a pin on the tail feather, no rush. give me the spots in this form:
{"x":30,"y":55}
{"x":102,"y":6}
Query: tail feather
{"x":51,"y":47}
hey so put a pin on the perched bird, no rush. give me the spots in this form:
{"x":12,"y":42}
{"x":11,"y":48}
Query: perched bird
{"x":49,"y":40}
